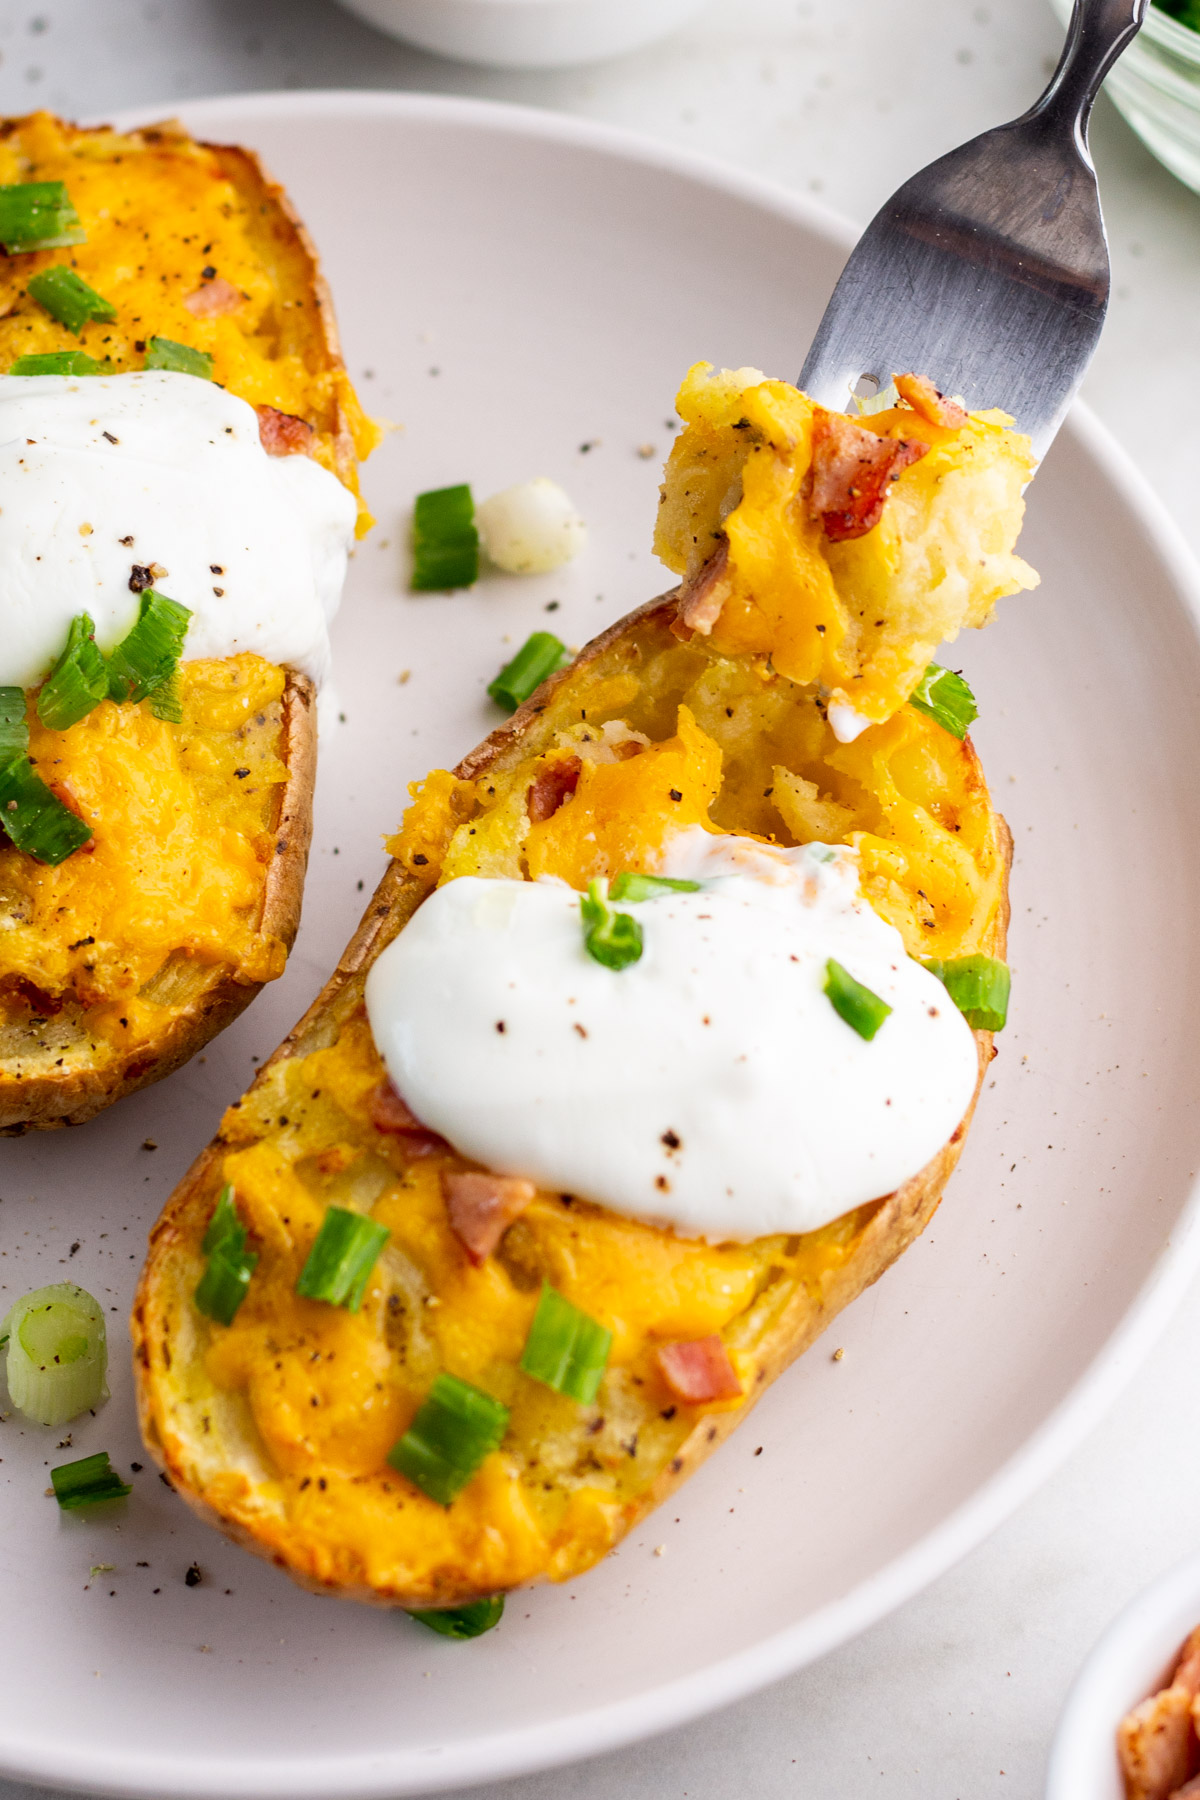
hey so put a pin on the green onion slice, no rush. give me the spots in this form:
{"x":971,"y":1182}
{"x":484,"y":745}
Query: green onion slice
{"x":612,"y":938}
{"x":77,"y":682}
{"x":540,"y":655}
{"x":57,"y":1353}
{"x":463,"y":1621}
{"x":87,"y":1481}
{"x":67,"y":297}
{"x":340,"y":1262}
{"x":57,"y":362}
{"x":146,"y":658}
{"x":225,"y":1282}
{"x":456,"y":1426}
{"x":861,"y":1009}
{"x":36,"y":820}
{"x":629,"y":886}
{"x":566,"y":1349}
{"x":182,"y":359}
{"x":979,"y":986}
{"x":38,"y":215}
{"x":14,"y":729}
{"x":445,"y":542}
{"x":945,"y":697}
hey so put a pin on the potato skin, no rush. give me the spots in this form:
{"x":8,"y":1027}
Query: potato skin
{"x":162,"y":1362}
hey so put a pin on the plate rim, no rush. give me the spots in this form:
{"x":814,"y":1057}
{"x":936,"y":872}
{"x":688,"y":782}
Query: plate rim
{"x":584,"y":1734}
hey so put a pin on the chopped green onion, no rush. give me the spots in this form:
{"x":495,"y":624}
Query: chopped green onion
{"x":629,"y":886}
{"x":862,"y":1010}
{"x":14,"y":727}
{"x":444,"y":539}
{"x":946,"y":698}
{"x":340,"y":1262}
{"x":612,"y":938}
{"x":166,"y":700}
{"x":979,"y":986}
{"x":224,"y":1283}
{"x":88,"y":1481}
{"x":540,"y":655}
{"x":566,"y":1349}
{"x":67,"y":297}
{"x":456,"y":1426}
{"x":35,"y":819}
{"x":38,"y":215}
{"x":57,"y":1353}
{"x":77,"y":682}
{"x":469,"y":1621}
{"x":147,"y":655}
{"x":57,"y":362}
{"x":182,"y":359}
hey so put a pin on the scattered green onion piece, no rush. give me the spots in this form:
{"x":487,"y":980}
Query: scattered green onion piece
{"x":862,"y":1010}
{"x":181,"y":359}
{"x":14,"y":728}
{"x":77,"y":682}
{"x":57,"y":1353}
{"x":566,"y":1349}
{"x":38,"y":215}
{"x":946,"y":698}
{"x":611,"y":938}
{"x":629,"y":886}
{"x":88,"y":1481}
{"x":979,"y":986}
{"x":340,"y":1262}
{"x":445,"y":542}
{"x":540,"y":655}
{"x":57,"y":362}
{"x":36,"y":820}
{"x":166,"y":700}
{"x":148,"y":654}
{"x":225,"y":1282}
{"x":456,"y":1426}
{"x":67,"y":297}
{"x":463,"y":1621}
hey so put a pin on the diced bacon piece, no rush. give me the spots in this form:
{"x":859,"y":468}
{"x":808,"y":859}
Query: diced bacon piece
{"x":283,"y":434}
{"x":213,"y":299}
{"x":699,"y":1370}
{"x":925,"y":399}
{"x":852,"y":471}
{"x":395,"y":1118}
{"x":551,"y":786}
{"x":702,"y":599}
{"x":482,"y":1207}
{"x":1155,"y":1743}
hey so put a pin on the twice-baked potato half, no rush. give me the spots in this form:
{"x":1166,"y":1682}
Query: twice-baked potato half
{"x":169,"y":351}
{"x":315,"y":1403}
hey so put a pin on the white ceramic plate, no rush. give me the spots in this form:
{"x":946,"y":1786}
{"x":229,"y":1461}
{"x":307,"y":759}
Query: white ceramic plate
{"x":526,"y":293}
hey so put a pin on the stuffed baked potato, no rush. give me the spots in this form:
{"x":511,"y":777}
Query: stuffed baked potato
{"x":120,"y":960}
{"x":281,"y":1425}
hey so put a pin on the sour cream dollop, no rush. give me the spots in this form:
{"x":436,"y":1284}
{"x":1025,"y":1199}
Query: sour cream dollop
{"x":710,"y":1086}
{"x":100,"y":474}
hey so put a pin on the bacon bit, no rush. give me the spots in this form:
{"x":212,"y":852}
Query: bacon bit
{"x":699,"y":1370}
{"x":1154,"y":1742}
{"x":925,"y":399}
{"x":701,"y":601}
{"x":482,"y":1207}
{"x":62,"y":792}
{"x":552,"y":784}
{"x":213,"y":299}
{"x":283,"y":434}
{"x":395,"y":1118}
{"x":852,"y":471}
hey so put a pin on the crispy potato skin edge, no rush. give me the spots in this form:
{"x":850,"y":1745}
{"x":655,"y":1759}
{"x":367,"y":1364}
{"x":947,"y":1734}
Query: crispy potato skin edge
{"x":47,"y":1103}
{"x":901,"y":1217}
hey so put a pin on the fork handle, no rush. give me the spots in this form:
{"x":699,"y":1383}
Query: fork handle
{"x":1099,"y":31}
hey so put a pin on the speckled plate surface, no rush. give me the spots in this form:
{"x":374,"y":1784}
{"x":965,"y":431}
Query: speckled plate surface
{"x":523,"y":293}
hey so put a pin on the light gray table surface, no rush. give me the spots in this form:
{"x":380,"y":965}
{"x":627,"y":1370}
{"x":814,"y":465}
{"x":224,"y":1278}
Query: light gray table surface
{"x":955,"y":1696}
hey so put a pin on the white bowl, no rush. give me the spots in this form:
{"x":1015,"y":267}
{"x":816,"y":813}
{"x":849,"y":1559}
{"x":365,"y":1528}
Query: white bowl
{"x":526,"y":34}
{"x":1132,"y":1660}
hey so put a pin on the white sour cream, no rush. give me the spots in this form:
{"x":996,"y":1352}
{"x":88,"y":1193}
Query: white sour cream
{"x":100,"y":473}
{"x":709,"y":1086}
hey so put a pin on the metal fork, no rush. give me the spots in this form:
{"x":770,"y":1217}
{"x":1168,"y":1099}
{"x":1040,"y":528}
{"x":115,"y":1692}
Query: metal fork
{"x":988,"y":271}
